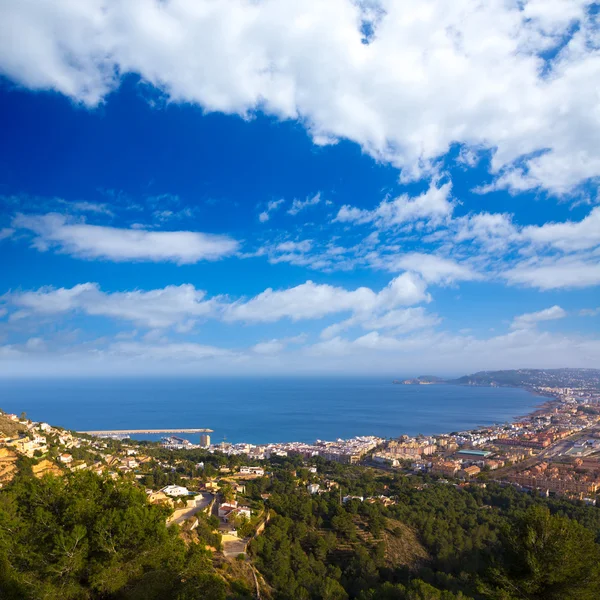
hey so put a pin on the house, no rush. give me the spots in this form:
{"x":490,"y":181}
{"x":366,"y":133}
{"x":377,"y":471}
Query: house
{"x":449,"y":468}
{"x":25,"y":446}
{"x":312,"y":470}
{"x":66,"y":459}
{"x":175,"y":490}
{"x":348,"y":498}
{"x":313,"y":488}
{"x":228,"y":510}
{"x":159,"y":498}
{"x":244,"y":511}
{"x":258,"y":471}
{"x":471,"y":471}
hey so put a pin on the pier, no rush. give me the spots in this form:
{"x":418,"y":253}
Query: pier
{"x":143,"y":431}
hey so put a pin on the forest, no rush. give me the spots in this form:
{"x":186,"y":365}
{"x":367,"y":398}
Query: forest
{"x":438,"y":541}
{"x":85,"y":536}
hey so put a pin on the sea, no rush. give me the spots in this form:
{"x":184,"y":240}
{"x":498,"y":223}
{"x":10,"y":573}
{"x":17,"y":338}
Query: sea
{"x":260,"y":410}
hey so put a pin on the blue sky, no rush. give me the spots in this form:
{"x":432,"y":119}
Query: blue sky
{"x":243,"y":187}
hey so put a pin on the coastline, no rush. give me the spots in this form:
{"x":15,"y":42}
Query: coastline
{"x":261,"y":411}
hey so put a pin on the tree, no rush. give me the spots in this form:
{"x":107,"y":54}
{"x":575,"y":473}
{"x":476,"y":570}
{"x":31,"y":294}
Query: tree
{"x":547,"y":557}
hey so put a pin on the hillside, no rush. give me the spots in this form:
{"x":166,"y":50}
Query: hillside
{"x":10,"y":428}
{"x":530,"y":378}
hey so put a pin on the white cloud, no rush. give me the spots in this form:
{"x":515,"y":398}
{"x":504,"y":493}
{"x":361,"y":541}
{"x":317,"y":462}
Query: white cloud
{"x":275,"y":346}
{"x":290,"y":246}
{"x":448,"y":353}
{"x":547,"y":273}
{"x":271,"y":347}
{"x":273,"y":205}
{"x":35,"y":344}
{"x":434,"y":73}
{"x":398,"y":321}
{"x":158,"y":308}
{"x":313,"y":301}
{"x":299,"y":205}
{"x":6,"y":232}
{"x":373,"y":353}
{"x":494,"y":231}
{"x":169,"y":351}
{"x":589,"y":312}
{"x":568,"y":236}
{"x":180,"y":306}
{"x":433,"y":269}
{"x":111,"y":243}
{"x":528,"y":320}
{"x":433,"y":206}
{"x":93,"y":207}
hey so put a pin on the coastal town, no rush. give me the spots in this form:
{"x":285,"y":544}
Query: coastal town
{"x":554,"y":451}
{"x":222,"y":496}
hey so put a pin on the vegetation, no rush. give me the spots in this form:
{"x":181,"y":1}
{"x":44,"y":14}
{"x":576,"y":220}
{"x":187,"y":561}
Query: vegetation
{"x":88,"y":537}
{"x":10,"y":428}
{"x":84,"y":536}
{"x":436,"y":542}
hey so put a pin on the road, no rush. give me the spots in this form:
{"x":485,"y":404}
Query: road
{"x":179,"y":516}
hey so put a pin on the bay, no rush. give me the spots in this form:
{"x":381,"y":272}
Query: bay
{"x":260,"y":410}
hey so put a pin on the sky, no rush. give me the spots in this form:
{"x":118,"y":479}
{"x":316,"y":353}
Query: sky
{"x":276,"y":187}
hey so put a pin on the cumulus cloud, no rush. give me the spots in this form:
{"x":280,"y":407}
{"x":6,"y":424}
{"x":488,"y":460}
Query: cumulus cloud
{"x":165,"y":307}
{"x":111,"y":243}
{"x":531,"y":319}
{"x":548,"y":273}
{"x":313,"y":301}
{"x":433,"y":206}
{"x":514,"y":77}
{"x":568,"y":236}
{"x":433,"y":269}
{"x":180,"y":306}
{"x":397,"y":321}
{"x":493,"y":231}
{"x":386,"y":353}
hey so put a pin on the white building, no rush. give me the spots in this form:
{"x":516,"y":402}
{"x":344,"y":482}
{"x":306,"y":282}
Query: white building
{"x":175,"y":490}
{"x":252,"y":471}
{"x":228,"y":510}
{"x":313,"y":488}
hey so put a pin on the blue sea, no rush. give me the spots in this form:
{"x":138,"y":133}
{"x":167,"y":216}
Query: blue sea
{"x":260,"y":410}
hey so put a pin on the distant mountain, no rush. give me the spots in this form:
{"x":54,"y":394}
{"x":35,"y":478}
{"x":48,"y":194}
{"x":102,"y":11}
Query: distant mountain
{"x":529,"y":378}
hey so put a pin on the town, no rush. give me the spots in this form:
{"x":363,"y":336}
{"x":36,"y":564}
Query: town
{"x":224,"y":497}
{"x":553,"y":451}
